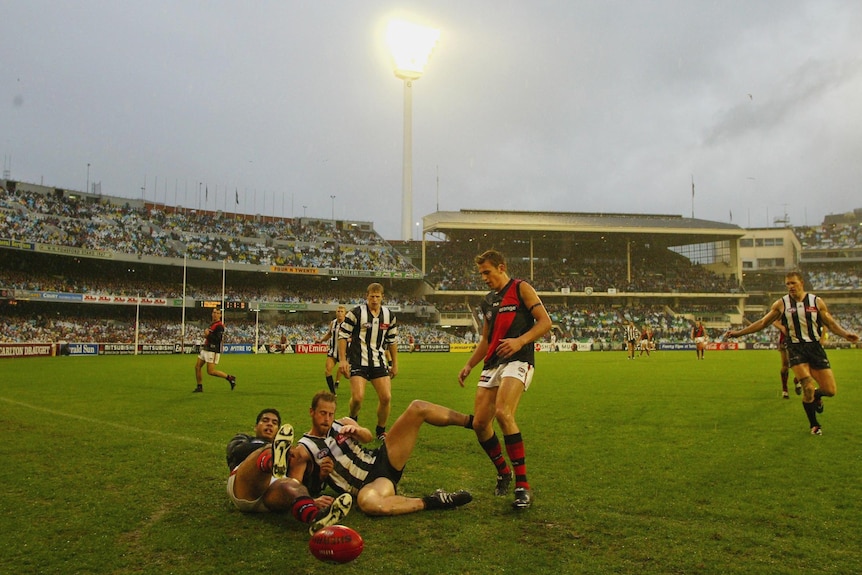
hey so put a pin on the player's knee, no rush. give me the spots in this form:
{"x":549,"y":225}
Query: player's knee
{"x":418,"y":407}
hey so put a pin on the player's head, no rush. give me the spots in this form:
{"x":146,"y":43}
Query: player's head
{"x":216,"y":313}
{"x":322,"y":396}
{"x":795,"y":283}
{"x":374,"y":288}
{"x":493,"y":257}
{"x":340,"y":312}
{"x":796,"y":275}
{"x":322,"y":412}
{"x":270,"y":411}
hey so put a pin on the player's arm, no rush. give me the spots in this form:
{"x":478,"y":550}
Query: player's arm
{"x":355,"y":431}
{"x":325,"y":336}
{"x":773,"y":314}
{"x":393,"y":355}
{"x":834,"y":326}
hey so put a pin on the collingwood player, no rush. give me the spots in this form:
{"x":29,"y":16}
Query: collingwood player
{"x":803,"y":316}
{"x":370,"y":330}
{"x":331,"y":339}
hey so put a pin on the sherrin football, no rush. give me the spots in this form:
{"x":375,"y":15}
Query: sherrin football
{"x":336,"y":544}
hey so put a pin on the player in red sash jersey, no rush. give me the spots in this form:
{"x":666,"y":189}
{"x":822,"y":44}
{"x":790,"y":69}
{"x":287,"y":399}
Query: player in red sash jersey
{"x":211,"y":353}
{"x":514,"y":318}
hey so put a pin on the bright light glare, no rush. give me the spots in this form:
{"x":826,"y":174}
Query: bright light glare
{"x":410,"y":46}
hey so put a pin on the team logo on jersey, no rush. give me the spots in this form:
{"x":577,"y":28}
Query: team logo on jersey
{"x":384,"y":326}
{"x":509,"y":308}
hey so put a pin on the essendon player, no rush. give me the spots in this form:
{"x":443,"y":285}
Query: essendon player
{"x":803,"y":316}
{"x":211,"y":353}
{"x":514,"y":318}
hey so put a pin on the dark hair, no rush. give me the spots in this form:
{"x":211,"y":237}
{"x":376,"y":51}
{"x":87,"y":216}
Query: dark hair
{"x":795,"y":273}
{"x":493,"y":257}
{"x":322,"y":396}
{"x":268,"y":410}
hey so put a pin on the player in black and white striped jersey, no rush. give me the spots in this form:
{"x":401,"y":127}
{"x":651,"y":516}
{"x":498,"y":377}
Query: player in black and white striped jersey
{"x":370,"y":330}
{"x":803,"y":316}
{"x":331,"y":339}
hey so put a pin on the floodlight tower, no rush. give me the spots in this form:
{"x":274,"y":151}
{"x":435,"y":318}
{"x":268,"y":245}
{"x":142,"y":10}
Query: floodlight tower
{"x":410,"y":46}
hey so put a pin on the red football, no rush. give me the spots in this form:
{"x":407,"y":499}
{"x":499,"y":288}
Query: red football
{"x":336,"y":544}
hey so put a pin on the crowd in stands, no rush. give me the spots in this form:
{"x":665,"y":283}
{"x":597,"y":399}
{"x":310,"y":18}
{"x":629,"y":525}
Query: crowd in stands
{"x":105,"y":226}
{"x":832,"y":236}
{"x":450,"y":267}
{"x":83,"y":324}
{"x":206,"y":236}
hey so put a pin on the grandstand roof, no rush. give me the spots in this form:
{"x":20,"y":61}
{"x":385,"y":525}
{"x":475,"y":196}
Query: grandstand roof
{"x":661,"y":228}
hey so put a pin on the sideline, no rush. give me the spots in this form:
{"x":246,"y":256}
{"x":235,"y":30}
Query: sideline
{"x":109,"y":423}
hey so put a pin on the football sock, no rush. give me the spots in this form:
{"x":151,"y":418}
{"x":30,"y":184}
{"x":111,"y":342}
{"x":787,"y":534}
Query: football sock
{"x":380,"y":430}
{"x":783,"y":380}
{"x":515,"y":450}
{"x":330,"y":383}
{"x":469,"y":424}
{"x":495,"y":452}
{"x":811,"y":413}
{"x":304,"y":509}
{"x":264,"y":461}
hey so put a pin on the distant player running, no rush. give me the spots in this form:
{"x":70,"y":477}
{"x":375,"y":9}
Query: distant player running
{"x":211,"y":353}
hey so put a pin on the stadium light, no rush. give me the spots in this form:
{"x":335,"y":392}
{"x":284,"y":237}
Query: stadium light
{"x":410,"y":45}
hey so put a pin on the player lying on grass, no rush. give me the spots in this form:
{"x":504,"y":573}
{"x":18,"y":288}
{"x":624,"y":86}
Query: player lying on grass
{"x":257,"y":481}
{"x":334,"y":450}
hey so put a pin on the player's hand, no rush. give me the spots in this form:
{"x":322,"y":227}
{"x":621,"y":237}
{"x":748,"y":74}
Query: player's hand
{"x":344,"y":368}
{"x":393,"y":370}
{"x":323,"y":501}
{"x":508,"y":347}
{"x":463,"y":374}
{"x":729,"y":333}
{"x":326,"y":466}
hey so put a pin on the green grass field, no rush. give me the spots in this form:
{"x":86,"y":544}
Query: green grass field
{"x":661,"y":465}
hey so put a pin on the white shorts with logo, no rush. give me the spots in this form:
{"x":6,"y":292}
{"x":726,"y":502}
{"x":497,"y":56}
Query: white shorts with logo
{"x":520,"y":370}
{"x":209,"y":356}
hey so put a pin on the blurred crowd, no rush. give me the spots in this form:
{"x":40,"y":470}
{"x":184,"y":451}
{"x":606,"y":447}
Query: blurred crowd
{"x":105,"y":226}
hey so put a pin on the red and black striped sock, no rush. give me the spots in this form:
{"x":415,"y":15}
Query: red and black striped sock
{"x":495,"y":452}
{"x":304,"y":509}
{"x":515,"y":450}
{"x":264,"y":461}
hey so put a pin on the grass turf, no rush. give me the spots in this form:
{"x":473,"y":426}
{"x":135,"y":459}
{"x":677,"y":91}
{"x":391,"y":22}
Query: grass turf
{"x":661,"y":465}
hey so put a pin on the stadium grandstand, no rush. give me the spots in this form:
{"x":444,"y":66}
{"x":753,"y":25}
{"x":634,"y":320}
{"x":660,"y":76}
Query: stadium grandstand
{"x":134,"y":276}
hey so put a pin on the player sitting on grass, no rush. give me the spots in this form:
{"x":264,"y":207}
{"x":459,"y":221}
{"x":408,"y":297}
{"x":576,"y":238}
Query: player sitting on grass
{"x":334,"y":450}
{"x":257,"y":481}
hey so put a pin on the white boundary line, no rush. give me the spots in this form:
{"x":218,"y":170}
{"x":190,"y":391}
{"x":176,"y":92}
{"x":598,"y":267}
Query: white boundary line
{"x":107,"y":423}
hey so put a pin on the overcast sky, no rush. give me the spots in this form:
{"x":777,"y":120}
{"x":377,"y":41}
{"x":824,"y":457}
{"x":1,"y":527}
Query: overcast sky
{"x":540,"y":105}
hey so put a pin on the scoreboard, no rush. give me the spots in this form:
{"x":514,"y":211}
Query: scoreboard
{"x":241,"y":305}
